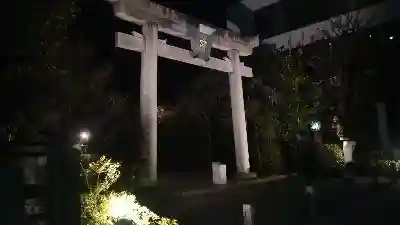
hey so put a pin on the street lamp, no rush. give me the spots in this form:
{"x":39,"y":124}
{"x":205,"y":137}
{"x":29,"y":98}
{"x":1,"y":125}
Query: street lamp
{"x":316,"y":129}
{"x":316,"y":125}
{"x":84,"y":137}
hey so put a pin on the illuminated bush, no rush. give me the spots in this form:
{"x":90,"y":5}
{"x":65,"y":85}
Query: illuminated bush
{"x":99,"y":175}
{"x":101,"y":206}
{"x":124,"y":206}
{"x":331,"y":156}
{"x":386,"y":166}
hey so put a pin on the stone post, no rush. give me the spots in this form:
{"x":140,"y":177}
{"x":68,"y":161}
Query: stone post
{"x":148,"y":98}
{"x":238,"y":115}
{"x":348,"y":149}
{"x":247,"y":214}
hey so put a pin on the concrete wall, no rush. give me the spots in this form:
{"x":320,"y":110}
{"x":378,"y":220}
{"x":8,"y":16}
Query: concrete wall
{"x":277,"y":22}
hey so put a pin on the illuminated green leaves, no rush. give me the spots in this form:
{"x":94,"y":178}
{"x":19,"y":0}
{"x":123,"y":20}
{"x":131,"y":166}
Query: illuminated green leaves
{"x":102,"y":206}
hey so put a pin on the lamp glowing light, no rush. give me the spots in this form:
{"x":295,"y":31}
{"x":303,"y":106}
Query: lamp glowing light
{"x":125,"y":206}
{"x":84,"y":136}
{"x":316,"y":126}
{"x":121,"y":206}
{"x":391,"y":37}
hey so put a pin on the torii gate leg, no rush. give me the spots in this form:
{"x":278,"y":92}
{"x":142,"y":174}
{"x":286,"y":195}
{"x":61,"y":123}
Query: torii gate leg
{"x":148,"y":99}
{"x":238,"y":115}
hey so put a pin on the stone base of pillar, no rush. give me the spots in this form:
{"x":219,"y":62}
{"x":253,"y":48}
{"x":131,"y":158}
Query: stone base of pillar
{"x":245,"y":176}
{"x":147,"y":182}
{"x":348,"y":149}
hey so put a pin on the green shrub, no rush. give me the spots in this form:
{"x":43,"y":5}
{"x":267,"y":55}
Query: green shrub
{"x":330,"y":157}
{"x":102,"y":206}
{"x":271,"y":161}
{"x":99,"y":175}
{"x":385,"y":167}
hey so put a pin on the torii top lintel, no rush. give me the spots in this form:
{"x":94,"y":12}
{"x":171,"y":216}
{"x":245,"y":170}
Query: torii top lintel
{"x":178,"y":24}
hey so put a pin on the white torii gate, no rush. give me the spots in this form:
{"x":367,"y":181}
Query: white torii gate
{"x":154,"y":18}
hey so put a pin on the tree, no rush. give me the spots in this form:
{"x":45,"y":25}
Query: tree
{"x":328,"y":78}
{"x":345,"y":65}
{"x":60,"y":79}
{"x":283,"y":99}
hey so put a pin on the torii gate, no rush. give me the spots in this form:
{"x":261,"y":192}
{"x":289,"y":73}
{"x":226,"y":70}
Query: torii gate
{"x":154,"y":18}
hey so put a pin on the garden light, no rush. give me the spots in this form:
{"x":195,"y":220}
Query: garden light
{"x":125,"y":206}
{"x":121,"y":207}
{"x":316,"y":126}
{"x":84,"y":136}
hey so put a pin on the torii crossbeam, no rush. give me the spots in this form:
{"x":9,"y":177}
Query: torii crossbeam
{"x":154,"y":18}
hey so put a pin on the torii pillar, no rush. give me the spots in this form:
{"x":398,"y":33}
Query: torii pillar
{"x":238,"y":115}
{"x":154,"y":18}
{"x":148,"y":98}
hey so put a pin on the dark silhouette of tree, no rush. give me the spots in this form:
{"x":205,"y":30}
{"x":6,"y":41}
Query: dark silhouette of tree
{"x":59,"y":78}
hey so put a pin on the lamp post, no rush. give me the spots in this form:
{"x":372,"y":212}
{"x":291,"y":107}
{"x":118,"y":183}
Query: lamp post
{"x":83,"y":138}
{"x":316,"y":129}
{"x":316,"y":125}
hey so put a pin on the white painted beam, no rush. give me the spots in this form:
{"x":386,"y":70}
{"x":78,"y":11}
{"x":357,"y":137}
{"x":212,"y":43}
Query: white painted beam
{"x":369,"y":16}
{"x":178,"y":24}
{"x":135,"y":43}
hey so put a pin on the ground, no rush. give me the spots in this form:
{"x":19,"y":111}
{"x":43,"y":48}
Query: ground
{"x":359,"y":204}
{"x":282,"y":201}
